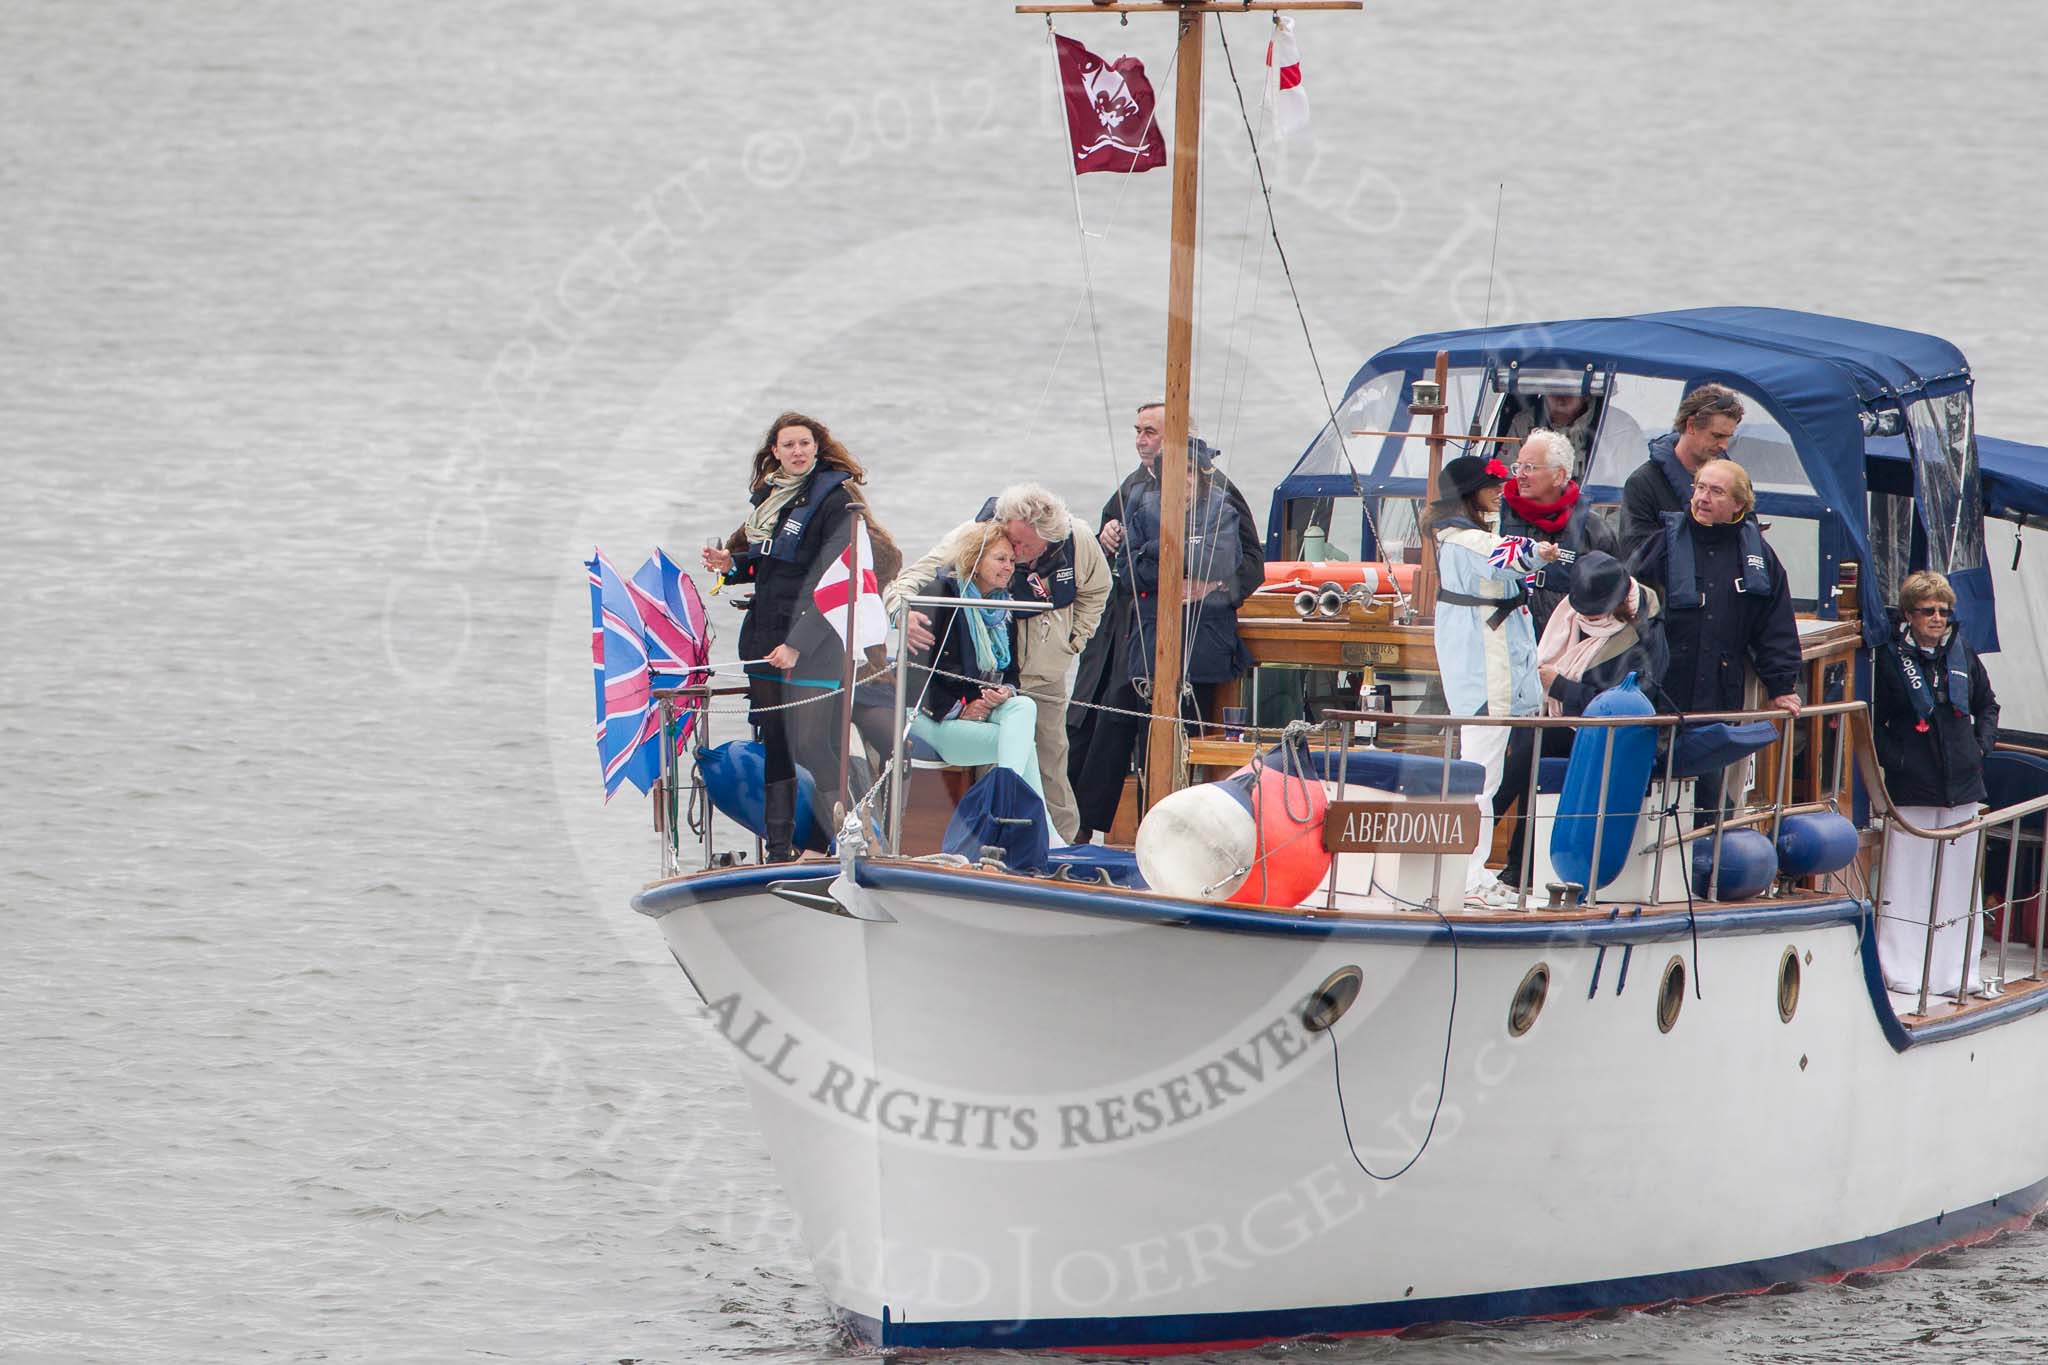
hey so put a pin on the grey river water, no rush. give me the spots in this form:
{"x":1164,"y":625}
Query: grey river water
{"x":332,"y":337}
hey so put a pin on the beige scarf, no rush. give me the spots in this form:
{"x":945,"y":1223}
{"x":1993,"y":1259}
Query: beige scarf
{"x":782,"y":490}
{"x":1572,"y":643}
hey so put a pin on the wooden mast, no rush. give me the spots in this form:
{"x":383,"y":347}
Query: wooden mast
{"x":1162,"y":763}
{"x":1425,"y":577}
{"x":1162,"y":766}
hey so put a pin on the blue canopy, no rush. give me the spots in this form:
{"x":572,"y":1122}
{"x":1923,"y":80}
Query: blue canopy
{"x":1815,"y":375}
{"x":2014,"y":475}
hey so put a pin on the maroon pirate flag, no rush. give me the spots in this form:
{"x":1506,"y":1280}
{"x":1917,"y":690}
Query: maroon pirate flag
{"x":1109,"y":112}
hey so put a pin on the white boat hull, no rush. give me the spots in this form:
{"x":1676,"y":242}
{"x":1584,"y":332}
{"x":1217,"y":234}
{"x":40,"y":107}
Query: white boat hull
{"x":1031,"y":1115}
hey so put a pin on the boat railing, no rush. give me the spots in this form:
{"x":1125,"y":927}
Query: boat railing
{"x":670,"y":818}
{"x":1773,"y":812}
{"x":899,"y":760}
{"x":2008,"y":821}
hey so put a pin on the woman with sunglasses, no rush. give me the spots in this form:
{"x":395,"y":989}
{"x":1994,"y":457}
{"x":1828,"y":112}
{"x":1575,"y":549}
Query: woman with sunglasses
{"x":1934,"y":719}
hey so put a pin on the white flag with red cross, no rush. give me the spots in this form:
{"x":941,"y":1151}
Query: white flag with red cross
{"x":1285,"y":99}
{"x":835,"y":586}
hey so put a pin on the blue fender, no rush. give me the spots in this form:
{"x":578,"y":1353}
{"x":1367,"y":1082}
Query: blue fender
{"x":1628,"y":782}
{"x":1815,"y":843}
{"x":736,"y":775}
{"x":1749,"y":862}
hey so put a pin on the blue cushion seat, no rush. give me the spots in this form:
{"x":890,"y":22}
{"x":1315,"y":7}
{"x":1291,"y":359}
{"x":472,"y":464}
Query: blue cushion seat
{"x":1419,"y":775}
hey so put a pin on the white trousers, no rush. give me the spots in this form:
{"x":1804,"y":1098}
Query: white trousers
{"x":1909,"y":892}
{"x":1486,"y":745}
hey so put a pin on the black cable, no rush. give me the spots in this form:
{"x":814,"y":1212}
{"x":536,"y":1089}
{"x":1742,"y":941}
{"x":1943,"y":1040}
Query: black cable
{"x":1442,"y":1080}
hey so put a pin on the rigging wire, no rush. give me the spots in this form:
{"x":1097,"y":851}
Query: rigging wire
{"x":1125,"y":551}
{"x":1280,"y":250}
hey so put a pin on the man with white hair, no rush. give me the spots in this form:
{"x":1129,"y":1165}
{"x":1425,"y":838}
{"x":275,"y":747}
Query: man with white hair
{"x":1058,"y":561}
{"x":1544,"y":503}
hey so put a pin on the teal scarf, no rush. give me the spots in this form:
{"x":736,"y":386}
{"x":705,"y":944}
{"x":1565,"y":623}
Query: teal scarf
{"x":990,"y":629}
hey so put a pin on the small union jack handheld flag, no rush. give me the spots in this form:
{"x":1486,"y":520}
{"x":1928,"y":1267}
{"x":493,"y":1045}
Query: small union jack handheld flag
{"x":1510,"y":550}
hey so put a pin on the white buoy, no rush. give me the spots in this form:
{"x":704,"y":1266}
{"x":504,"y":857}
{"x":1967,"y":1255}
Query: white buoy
{"x":1198,"y":842}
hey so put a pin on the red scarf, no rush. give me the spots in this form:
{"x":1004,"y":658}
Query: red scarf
{"x":1544,"y":516}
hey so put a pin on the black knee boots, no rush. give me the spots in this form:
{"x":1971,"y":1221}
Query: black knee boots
{"x":779,"y":820}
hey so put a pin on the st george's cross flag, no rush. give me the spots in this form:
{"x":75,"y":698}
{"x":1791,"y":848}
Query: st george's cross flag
{"x":835,"y":586}
{"x":1111,"y":111}
{"x":1285,"y":98}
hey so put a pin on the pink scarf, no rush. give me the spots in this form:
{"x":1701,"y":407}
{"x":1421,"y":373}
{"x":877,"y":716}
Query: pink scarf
{"x":1571,"y":642}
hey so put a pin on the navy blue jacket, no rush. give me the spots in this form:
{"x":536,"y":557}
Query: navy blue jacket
{"x":1710,"y":642}
{"x":1942,"y":765}
{"x":814,"y":520}
{"x":1213,"y":650}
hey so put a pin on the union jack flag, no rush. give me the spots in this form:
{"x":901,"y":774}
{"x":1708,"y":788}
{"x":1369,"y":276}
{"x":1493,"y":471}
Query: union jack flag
{"x":628,"y":722}
{"x":674,"y":631}
{"x":1510,"y":549}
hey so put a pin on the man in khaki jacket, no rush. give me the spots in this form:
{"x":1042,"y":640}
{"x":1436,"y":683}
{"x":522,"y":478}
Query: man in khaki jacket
{"x":1058,"y":561}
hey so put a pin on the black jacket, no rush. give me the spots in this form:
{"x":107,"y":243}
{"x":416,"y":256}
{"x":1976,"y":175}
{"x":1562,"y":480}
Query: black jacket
{"x":1709,"y":643}
{"x":953,"y":652}
{"x":1944,"y":764}
{"x":1657,"y":486}
{"x":1583,"y":530}
{"x":1213,"y":650}
{"x":782,"y":580}
{"x":1103,"y":660}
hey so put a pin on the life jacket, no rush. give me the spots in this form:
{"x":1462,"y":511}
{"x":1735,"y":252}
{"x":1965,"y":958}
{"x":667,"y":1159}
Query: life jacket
{"x":1050,"y":577}
{"x":789,"y":536}
{"x":1681,"y":569}
{"x":1920,"y":689}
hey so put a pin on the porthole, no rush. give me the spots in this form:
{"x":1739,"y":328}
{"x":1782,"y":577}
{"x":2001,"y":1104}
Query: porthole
{"x":1788,"y":984}
{"x":1528,"y":1000}
{"x":1670,"y":994}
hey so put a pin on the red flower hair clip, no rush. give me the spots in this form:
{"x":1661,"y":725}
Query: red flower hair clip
{"x":1497,"y":469}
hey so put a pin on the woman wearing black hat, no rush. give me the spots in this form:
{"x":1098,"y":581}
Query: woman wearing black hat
{"x":1608,"y":627}
{"x":1485,"y":644}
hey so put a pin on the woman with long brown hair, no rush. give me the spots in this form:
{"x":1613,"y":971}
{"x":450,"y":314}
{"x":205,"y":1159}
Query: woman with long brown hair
{"x":805,"y":491}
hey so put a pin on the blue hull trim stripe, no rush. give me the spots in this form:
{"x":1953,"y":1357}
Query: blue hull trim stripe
{"x":1147,"y":907}
{"x":1190,"y":1331}
{"x":1941,"y":1030}
{"x":1648,"y":924}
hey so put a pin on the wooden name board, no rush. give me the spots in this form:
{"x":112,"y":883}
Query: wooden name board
{"x":1401,"y":827}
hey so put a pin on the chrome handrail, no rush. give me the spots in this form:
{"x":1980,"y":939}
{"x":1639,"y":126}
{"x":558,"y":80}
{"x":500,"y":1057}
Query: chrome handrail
{"x":899,"y":789}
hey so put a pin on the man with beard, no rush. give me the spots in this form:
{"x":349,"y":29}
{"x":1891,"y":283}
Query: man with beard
{"x":1102,"y":669}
